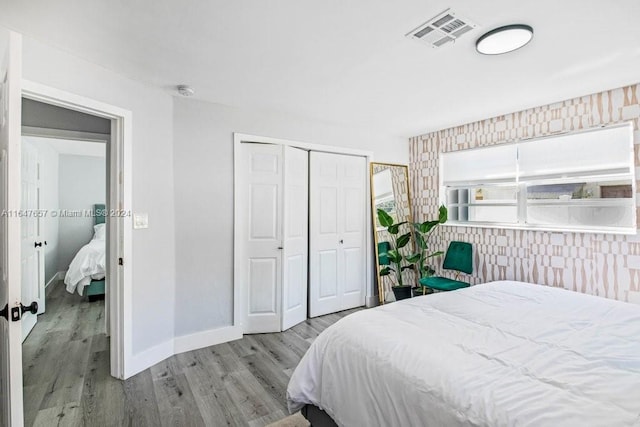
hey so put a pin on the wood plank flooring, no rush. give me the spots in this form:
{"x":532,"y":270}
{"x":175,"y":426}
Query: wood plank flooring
{"x":241,"y":383}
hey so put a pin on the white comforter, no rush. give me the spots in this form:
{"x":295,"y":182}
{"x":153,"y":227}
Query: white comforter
{"x":499,"y":354}
{"x":88,"y":264}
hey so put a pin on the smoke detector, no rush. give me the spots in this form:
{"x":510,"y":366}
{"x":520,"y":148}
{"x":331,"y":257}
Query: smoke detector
{"x":442,"y":29}
{"x":185,"y":90}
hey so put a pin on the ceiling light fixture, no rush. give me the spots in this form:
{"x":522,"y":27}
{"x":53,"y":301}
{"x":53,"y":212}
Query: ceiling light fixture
{"x":504,"y":39}
{"x":185,"y":90}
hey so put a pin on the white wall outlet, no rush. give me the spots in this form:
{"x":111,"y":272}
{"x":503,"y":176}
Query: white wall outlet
{"x":140,"y":220}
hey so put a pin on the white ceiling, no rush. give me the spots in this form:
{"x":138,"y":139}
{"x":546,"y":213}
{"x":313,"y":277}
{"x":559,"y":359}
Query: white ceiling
{"x":71,"y":146}
{"x":348,"y":61}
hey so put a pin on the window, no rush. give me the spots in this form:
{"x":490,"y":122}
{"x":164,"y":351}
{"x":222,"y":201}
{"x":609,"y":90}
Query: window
{"x":581,"y":181}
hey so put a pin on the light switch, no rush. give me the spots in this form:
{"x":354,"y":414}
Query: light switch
{"x":140,"y":220}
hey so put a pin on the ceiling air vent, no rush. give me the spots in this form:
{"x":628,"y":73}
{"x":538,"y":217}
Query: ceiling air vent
{"x":442,"y":29}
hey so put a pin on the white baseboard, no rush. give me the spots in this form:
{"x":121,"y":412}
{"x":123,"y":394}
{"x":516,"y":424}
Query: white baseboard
{"x":56,"y":278}
{"x":372,"y":301}
{"x":160,"y":352}
{"x":206,"y":338}
{"x":148,"y":358}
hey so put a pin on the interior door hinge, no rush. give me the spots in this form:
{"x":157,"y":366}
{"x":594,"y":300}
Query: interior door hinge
{"x":120,"y":261}
{"x":15,"y":313}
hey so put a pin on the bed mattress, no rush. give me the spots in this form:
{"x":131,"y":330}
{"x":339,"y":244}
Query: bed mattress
{"x":499,"y":354}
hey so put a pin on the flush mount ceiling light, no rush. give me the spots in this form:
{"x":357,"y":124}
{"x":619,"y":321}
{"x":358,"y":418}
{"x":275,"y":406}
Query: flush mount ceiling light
{"x":504,"y":39}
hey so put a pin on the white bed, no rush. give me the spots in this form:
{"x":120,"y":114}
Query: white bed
{"x":88,"y":264}
{"x":499,"y":354}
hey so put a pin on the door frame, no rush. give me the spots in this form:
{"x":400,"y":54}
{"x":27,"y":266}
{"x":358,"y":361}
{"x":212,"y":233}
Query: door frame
{"x":239,"y":306}
{"x":119,"y":294}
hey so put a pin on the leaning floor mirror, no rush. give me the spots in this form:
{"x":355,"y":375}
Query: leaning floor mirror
{"x":392,"y":222}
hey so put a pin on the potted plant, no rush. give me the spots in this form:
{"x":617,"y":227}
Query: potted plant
{"x":423,"y":232}
{"x":394,"y":254}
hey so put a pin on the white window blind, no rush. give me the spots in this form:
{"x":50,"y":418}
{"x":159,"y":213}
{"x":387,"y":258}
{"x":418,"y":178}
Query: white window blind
{"x":604,"y":151}
{"x":491,"y":164}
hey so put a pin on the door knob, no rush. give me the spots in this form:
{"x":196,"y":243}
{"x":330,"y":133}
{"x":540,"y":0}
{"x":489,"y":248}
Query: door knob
{"x":31,"y":308}
{"x":341,"y":241}
{"x":280,"y":248}
{"x":37,"y":244}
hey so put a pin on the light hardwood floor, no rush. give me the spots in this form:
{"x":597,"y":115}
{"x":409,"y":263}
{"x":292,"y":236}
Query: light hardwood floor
{"x":241,"y":383}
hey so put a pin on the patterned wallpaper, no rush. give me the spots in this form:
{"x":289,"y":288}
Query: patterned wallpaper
{"x":597,"y":264}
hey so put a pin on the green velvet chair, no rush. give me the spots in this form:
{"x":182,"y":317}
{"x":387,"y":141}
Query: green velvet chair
{"x":459,"y":258}
{"x":383,"y":248}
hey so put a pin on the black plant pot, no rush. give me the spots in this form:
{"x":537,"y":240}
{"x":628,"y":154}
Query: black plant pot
{"x":401,"y":292}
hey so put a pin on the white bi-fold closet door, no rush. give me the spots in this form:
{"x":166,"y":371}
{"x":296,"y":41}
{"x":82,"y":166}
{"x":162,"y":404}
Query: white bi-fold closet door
{"x":337,"y":232}
{"x":289,"y":256}
{"x":273,"y":236}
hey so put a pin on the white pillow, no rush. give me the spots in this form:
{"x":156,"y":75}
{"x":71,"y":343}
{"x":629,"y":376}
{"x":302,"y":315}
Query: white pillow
{"x":99,"y":232}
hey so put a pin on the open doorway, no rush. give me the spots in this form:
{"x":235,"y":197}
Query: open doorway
{"x":64,"y":184}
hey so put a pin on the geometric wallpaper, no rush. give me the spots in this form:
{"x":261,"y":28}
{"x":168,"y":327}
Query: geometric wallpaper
{"x":606,"y":265}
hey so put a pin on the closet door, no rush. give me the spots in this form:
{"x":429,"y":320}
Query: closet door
{"x":296,"y":237}
{"x":274,"y":236}
{"x":337,"y":267}
{"x":260,"y":221}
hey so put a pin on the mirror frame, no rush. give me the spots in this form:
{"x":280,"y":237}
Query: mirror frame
{"x":372,"y":165}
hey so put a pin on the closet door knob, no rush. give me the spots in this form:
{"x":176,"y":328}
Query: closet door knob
{"x":341,"y":241}
{"x":37,"y":244}
{"x":280,"y":248}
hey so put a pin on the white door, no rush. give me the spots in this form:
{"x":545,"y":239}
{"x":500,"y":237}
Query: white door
{"x":296,"y":238}
{"x":32,"y":259}
{"x":10,"y":286}
{"x":337,"y":224}
{"x":260,"y":230}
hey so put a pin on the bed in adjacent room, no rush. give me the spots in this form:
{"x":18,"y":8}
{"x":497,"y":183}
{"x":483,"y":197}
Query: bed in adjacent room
{"x":499,"y":354}
{"x":86,"y":273}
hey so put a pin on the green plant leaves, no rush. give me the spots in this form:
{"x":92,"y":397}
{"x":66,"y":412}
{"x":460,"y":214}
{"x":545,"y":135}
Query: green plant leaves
{"x":385,"y":219}
{"x":443,"y":214}
{"x":394,"y":256}
{"x":395,"y":228}
{"x":413,"y":258}
{"x":386,"y":271}
{"x":435,"y":254}
{"x":422,"y":234}
{"x":403,"y":240}
{"x":421,"y":243}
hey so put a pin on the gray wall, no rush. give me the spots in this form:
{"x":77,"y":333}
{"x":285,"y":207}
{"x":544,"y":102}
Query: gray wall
{"x":82,"y":183}
{"x":203,"y":167}
{"x":48,"y":159}
{"x":191,"y":214}
{"x":153,"y":251}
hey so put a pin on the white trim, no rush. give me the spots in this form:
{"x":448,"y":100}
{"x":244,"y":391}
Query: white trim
{"x":56,"y":278}
{"x":239,"y":138}
{"x":147,"y":358}
{"x":206,"y":338}
{"x":156,"y":354}
{"x":532,"y":227}
{"x":372,"y":301}
{"x":121,"y":296}
{"x":64,"y":134}
{"x":244,"y":137}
